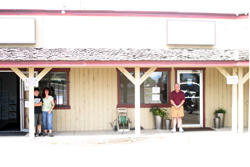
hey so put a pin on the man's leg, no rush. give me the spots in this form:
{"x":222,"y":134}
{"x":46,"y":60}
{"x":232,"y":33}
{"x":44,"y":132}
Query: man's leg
{"x":174,"y":125}
{"x":180,"y":124}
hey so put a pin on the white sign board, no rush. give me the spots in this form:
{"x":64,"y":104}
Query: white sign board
{"x":155,"y":97}
{"x":17,"y":30}
{"x":27,"y":104}
{"x":190,"y":32}
{"x":232,"y":80}
{"x":155,"y":89}
{"x":31,"y":82}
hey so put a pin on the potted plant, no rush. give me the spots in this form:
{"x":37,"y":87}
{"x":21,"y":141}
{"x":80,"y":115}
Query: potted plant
{"x":217,"y":122}
{"x":167,"y":120}
{"x":220,"y":112}
{"x":158,"y":116}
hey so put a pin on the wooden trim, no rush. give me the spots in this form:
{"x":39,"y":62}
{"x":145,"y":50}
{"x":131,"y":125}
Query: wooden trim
{"x":127,"y":74}
{"x":43,"y":73}
{"x":53,"y":70}
{"x":204,"y":105}
{"x":18,"y":73}
{"x":166,"y":14}
{"x":245,"y":78}
{"x":223,"y":71}
{"x":143,"y":105}
{"x":68,"y":91}
{"x":147,"y":74}
{"x":62,"y":108}
{"x":56,"y":64}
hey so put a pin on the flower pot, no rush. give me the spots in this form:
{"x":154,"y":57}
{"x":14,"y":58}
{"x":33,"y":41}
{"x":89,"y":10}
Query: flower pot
{"x":222,"y":118}
{"x":167,"y":124}
{"x":158,"y":122}
{"x":217,"y":123}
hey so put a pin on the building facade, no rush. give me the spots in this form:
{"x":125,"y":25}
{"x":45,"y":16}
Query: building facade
{"x":92,"y":60}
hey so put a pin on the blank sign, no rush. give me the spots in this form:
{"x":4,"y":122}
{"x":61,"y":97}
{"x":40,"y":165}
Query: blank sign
{"x":17,"y":30}
{"x":188,"y":32}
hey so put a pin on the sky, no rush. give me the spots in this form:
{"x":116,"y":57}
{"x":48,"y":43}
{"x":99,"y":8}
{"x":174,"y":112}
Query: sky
{"x":207,"y":6}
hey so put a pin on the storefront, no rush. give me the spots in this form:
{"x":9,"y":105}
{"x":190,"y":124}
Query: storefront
{"x":93,"y":69}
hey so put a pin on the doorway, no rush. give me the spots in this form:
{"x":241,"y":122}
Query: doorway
{"x":10,"y":105}
{"x":191,"y":83}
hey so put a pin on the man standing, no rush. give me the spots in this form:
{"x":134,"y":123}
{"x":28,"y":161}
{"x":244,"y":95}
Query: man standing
{"x":177,"y":99}
{"x":38,"y":111}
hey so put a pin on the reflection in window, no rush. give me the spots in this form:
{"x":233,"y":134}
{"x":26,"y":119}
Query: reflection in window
{"x":153,"y":90}
{"x":57,"y":82}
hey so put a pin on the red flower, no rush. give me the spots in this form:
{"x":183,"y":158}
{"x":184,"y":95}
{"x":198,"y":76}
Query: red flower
{"x":154,"y":104}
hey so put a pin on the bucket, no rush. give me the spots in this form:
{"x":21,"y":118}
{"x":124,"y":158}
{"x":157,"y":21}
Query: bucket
{"x":216,"y":123}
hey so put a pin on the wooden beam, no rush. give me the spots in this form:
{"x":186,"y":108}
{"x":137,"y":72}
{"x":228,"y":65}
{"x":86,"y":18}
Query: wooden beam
{"x":18,"y":73}
{"x":137,"y":102}
{"x":43,"y":73}
{"x":240,"y":101}
{"x":223,"y":71}
{"x":127,"y":74}
{"x":245,"y":78}
{"x":31,"y":106}
{"x":147,"y":74}
{"x":234,"y":104}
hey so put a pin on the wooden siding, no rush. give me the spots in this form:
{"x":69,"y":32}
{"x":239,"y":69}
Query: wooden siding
{"x":219,"y":94}
{"x":93,"y":100}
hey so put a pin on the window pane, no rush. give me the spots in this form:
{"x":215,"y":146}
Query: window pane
{"x":158,"y":80}
{"x":127,"y":90}
{"x":57,"y":82}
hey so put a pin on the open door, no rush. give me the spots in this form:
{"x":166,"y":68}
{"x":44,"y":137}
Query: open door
{"x":24,"y":110}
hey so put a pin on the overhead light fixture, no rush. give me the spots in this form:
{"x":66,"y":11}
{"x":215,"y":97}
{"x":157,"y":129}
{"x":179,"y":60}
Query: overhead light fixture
{"x":63,"y":11}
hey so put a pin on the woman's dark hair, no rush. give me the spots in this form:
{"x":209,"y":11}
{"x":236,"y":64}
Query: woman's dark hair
{"x":43,"y":94}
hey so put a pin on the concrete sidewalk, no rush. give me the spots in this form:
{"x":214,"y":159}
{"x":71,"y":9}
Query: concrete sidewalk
{"x":220,"y":148}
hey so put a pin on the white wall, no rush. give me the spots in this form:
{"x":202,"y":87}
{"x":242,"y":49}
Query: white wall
{"x":125,"y":32}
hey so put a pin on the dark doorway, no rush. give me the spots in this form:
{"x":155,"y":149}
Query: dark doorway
{"x":9,"y":98}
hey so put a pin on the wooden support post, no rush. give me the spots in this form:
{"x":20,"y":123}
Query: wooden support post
{"x":240,"y":101}
{"x":18,"y":73}
{"x":137,"y":102}
{"x":127,"y":74}
{"x":245,"y":78}
{"x":234,"y":104}
{"x":147,"y":74}
{"x":43,"y":73}
{"x":223,"y":71}
{"x":31,"y":106}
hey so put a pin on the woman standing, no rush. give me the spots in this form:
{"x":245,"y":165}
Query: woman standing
{"x":47,"y":108}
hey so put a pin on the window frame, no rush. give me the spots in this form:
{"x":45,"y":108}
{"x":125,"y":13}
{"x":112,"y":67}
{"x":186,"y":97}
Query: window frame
{"x":67,"y":70}
{"x":144,"y":105}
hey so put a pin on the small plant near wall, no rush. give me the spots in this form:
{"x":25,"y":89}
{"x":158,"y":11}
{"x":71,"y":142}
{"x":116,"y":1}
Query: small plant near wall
{"x":220,"y":110}
{"x":167,"y":116}
{"x":158,"y":111}
{"x":220,"y":113}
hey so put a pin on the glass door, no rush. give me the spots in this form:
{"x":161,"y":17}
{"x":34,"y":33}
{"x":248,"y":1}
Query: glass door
{"x":191,"y":84}
{"x":24,"y":115}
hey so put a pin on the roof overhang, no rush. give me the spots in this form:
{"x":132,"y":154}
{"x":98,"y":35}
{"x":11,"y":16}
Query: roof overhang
{"x":58,"y":64}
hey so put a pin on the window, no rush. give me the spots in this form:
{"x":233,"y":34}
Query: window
{"x":58,"y":82}
{"x":155,"y":89}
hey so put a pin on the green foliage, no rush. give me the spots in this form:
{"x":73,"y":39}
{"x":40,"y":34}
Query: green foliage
{"x":220,"y":110}
{"x":158,"y":111}
{"x":167,"y":116}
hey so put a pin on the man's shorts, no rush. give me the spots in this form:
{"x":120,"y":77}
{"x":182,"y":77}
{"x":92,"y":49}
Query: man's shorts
{"x":177,"y":112}
{"x":38,"y":119}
